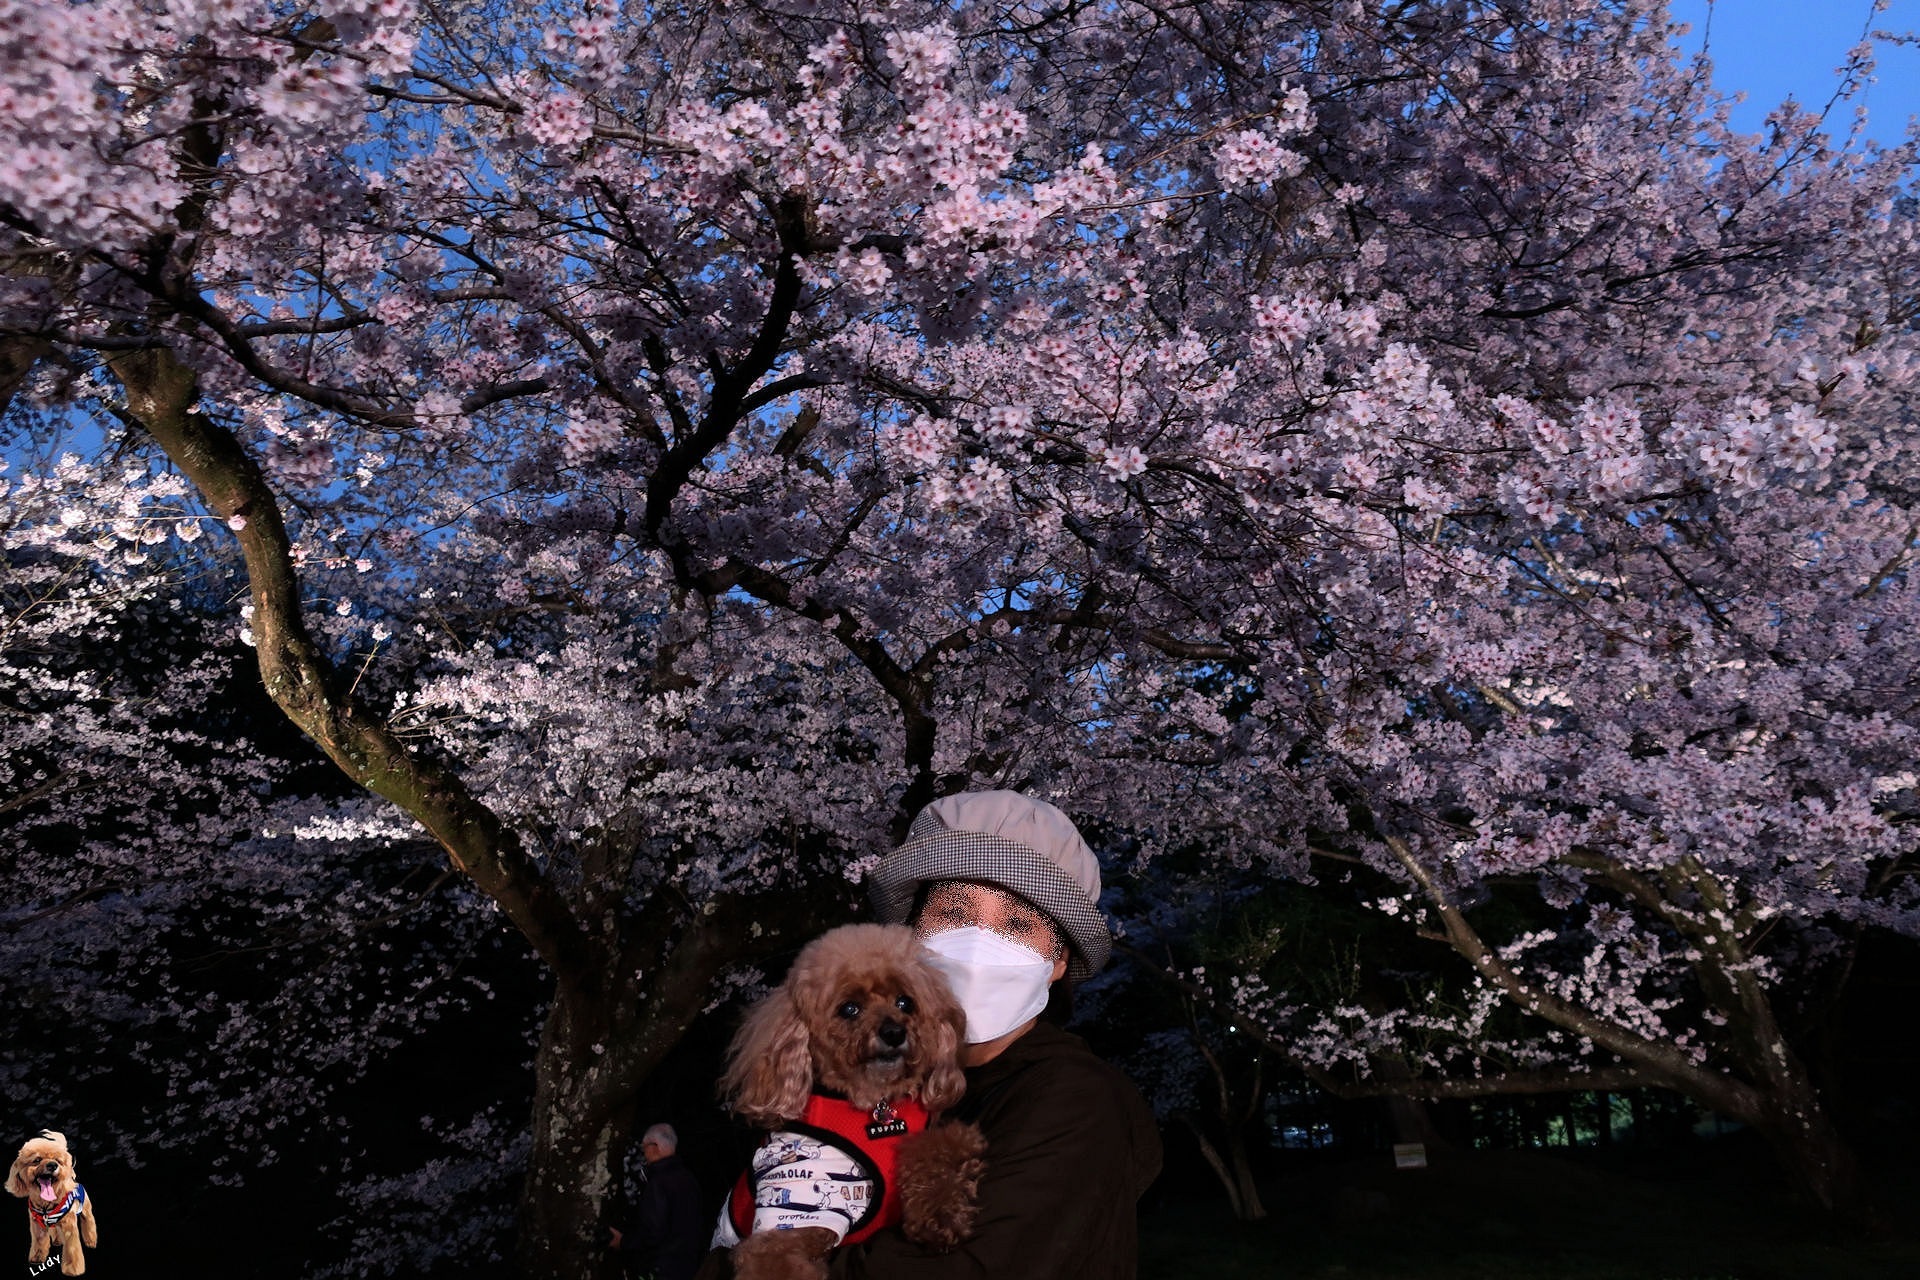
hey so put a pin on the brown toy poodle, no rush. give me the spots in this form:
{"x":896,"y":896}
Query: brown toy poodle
{"x":849,"y":1063}
{"x":57,"y":1205}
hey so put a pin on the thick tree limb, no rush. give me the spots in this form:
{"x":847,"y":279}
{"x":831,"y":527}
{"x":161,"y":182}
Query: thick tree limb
{"x":1663,"y":1063}
{"x":1506,"y":1082}
{"x":729,"y":399}
{"x":160,"y":395}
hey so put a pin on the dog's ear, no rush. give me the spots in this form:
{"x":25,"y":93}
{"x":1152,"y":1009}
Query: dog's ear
{"x":946,"y":1084}
{"x":945,"y":1024}
{"x":770,"y":1062}
{"x":16,"y":1182}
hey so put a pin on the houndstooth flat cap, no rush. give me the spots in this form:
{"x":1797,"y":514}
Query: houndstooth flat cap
{"x":1011,"y":840}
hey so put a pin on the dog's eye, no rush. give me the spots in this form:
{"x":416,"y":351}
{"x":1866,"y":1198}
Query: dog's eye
{"x":904,"y":1003}
{"x":851,"y":1009}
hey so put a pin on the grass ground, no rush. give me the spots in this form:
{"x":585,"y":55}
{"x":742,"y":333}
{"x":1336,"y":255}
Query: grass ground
{"x":1524,"y":1215}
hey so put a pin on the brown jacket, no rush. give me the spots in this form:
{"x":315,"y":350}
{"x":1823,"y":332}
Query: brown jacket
{"x":1070,"y":1148}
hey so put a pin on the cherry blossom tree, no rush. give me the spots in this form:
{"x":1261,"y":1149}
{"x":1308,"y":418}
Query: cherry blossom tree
{"x":207,"y":946}
{"x":1632,"y":640}
{"x":237,"y":161}
{"x":667,"y":445}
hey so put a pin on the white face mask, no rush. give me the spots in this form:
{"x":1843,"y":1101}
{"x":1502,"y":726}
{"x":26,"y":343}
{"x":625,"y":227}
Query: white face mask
{"x":999,"y":984}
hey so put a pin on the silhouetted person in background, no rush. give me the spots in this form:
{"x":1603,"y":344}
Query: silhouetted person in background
{"x":669,"y":1231}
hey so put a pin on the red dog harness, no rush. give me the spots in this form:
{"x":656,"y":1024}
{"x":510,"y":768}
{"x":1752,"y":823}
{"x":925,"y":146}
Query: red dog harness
{"x":871,"y":1138}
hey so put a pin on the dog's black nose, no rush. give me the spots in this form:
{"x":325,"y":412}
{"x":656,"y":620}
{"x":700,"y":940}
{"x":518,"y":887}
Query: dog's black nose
{"x":892,"y":1034}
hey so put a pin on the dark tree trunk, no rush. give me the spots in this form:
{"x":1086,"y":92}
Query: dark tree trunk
{"x":603,"y":1038}
{"x":1251,"y":1209}
{"x":1408,"y":1116}
{"x":1603,"y":1119}
{"x":580,"y":1129}
{"x":1234,"y":1170}
{"x":1768,"y":1086}
{"x":1816,"y":1157}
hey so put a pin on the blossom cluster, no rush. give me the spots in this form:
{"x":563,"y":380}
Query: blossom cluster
{"x":703,"y":440}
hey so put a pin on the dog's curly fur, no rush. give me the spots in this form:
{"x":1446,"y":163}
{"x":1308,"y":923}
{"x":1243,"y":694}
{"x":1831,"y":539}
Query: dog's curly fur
{"x":42,"y":1175}
{"x":862,"y":1013}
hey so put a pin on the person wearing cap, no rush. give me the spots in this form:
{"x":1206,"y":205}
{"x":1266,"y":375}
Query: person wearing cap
{"x":1003,"y":893}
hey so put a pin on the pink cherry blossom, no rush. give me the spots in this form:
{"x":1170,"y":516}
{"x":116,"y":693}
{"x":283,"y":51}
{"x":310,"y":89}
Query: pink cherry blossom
{"x":1443,"y":455}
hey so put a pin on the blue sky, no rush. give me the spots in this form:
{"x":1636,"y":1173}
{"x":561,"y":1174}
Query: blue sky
{"x":1771,"y":48}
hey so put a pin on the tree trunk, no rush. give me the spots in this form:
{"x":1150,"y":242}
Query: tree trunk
{"x":581,"y":1126}
{"x":1410,"y":1121}
{"x":1234,"y":1170}
{"x":1250,"y":1209}
{"x":1217,"y":1164}
{"x":601,"y":1040}
{"x":1407,"y":1115}
{"x":1816,"y":1157}
{"x":1777,"y":1096}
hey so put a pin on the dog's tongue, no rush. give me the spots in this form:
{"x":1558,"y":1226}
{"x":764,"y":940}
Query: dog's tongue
{"x":46,"y":1188}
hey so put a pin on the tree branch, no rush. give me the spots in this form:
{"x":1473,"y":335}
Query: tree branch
{"x":161,"y":393}
{"x":1664,"y":1063}
{"x":1241,"y":1025}
{"x":729,"y":399}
